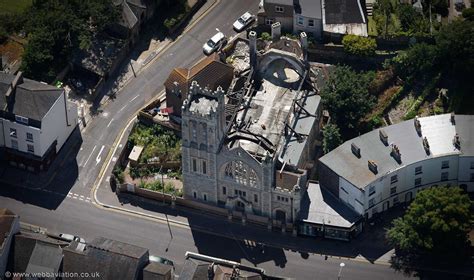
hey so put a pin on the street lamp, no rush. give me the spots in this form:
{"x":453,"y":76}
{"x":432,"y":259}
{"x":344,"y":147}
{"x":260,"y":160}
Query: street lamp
{"x":341,"y":265}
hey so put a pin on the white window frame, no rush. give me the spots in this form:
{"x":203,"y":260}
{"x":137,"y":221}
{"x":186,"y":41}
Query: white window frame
{"x":269,"y":21}
{"x":29,"y":139}
{"x":13,"y":133}
{"x":30,"y":148}
{"x":300,"y":21}
{"x":279,"y":9}
{"x":21,"y":119}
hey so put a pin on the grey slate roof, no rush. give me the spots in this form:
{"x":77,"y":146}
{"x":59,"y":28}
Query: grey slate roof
{"x":196,"y":269}
{"x":343,"y":12}
{"x":309,"y":8}
{"x":32,"y":99}
{"x":45,"y":258}
{"x":294,"y":148}
{"x":437,"y":129}
{"x":112,"y":259}
{"x":319,"y":206}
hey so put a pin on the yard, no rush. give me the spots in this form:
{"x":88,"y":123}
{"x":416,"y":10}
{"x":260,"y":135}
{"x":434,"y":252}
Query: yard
{"x":14,"y":6}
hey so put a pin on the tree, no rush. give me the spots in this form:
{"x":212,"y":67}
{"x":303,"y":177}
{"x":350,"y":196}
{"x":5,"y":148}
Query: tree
{"x":385,"y":8}
{"x":331,"y":138}
{"x":468,"y":14}
{"x":433,"y":231}
{"x":357,"y":45}
{"x":347,"y":97}
{"x":418,"y":62}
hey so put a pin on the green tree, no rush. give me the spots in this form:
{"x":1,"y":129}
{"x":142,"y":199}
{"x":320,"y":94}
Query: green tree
{"x":347,"y":97}
{"x":331,"y":138}
{"x":385,"y":8}
{"x":357,"y":45}
{"x":433,"y":231}
{"x":468,"y":14}
{"x":418,"y":62}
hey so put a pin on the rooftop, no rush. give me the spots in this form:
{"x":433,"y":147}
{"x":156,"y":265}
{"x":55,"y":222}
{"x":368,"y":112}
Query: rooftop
{"x":343,"y":12}
{"x":438,"y":130}
{"x":7,"y":219}
{"x":203,"y":106}
{"x":32,"y":99}
{"x":308,"y":8}
{"x":45,"y":258}
{"x":319,"y":206}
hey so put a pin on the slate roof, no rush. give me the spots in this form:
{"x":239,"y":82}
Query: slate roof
{"x":309,"y":8}
{"x":7,"y":219}
{"x":319,"y":206}
{"x":45,"y":258}
{"x":32,"y":99}
{"x":210,"y":72}
{"x":112,"y":259}
{"x":343,"y":12}
{"x":438,"y":130}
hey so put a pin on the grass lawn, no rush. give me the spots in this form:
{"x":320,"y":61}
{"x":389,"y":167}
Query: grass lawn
{"x":13,"y":6}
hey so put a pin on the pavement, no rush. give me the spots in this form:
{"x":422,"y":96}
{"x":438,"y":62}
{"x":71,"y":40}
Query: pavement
{"x":66,"y":202}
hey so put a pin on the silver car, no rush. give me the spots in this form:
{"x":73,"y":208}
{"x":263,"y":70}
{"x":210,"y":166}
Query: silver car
{"x":242,"y":22}
{"x":215,"y":43}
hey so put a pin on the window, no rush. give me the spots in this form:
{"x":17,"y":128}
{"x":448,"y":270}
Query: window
{"x":21,"y":119}
{"x":255,"y":198}
{"x":204,"y":167}
{"x":15,"y":144}
{"x":194,"y":194}
{"x":417,"y":182}
{"x":393,"y":179}
{"x":278,"y":197}
{"x":286,"y":199}
{"x":371,"y":190}
{"x":224,"y":190}
{"x":240,"y":173}
{"x":395,"y":200}
{"x":393,"y":190}
{"x":371,"y":202}
{"x":418,"y":170}
{"x":300,"y":21}
{"x":194,"y":165}
{"x":444,"y":176}
{"x":472,"y":165}
{"x":344,"y":190}
{"x":358,"y":201}
{"x":12,"y":132}
{"x":204,"y":197}
{"x":472,"y":177}
{"x":269,"y":21}
{"x":279,"y":9}
{"x":244,"y":194}
{"x":31,"y":148}
{"x":445,"y":164}
{"x":29,"y":137}
{"x":311,"y":22}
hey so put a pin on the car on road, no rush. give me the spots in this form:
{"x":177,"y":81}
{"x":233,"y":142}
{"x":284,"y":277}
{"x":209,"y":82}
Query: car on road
{"x":160,"y":260}
{"x":242,"y":22}
{"x":215,"y":43}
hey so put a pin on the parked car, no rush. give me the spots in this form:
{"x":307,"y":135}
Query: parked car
{"x":70,"y":238}
{"x":215,"y":43}
{"x":160,"y":260}
{"x":242,"y":22}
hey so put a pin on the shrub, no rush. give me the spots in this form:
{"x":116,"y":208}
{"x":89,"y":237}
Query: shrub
{"x":170,"y":23}
{"x":358,"y":45}
{"x":468,"y":14}
{"x":119,"y":174}
{"x":266,"y":36}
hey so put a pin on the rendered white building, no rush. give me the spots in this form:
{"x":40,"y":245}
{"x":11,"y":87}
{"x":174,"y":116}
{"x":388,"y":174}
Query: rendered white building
{"x":35,"y":121}
{"x":388,"y":166}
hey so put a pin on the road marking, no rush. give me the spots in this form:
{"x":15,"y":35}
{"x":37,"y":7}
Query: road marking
{"x":105,"y":114}
{"x":110,"y":122}
{"x":98,"y":158}
{"x":75,"y":197}
{"x":90,"y":156}
{"x":122,"y":108}
{"x":108,"y":179}
{"x":81,"y":199}
{"x":114,"y":159}
{"x":81,"y":196}
{"x":134,"y":98}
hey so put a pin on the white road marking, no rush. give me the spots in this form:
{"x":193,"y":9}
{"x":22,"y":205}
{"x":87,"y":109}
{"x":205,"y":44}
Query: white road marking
{"x":108,"y":179}
{"x":114,"y":159}
{"x":110,"y":122}
{"x":98,"y":158}
{"x":120,"y":146}
{"x":82,"y":196}
{"x":81,"y":199}
{"x":90,"y":156}
{"x":122,"y":108}
{"x":134,"y":98}
{"x":74,"y":197}
{"x":105,"y":114}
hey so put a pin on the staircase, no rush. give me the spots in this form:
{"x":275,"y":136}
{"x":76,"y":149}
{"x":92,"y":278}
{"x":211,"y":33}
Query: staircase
{"x":369,"y":7}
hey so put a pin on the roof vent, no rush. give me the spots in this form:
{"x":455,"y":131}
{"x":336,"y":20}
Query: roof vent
{"x":426,"y":145}
{"x":373,"y":166}
{"x":396,"y":153}
{"x":355,"y":150}
{"x":383,"y":137}
{"x":453,"y":120}
{"x":457,"y":141}
{"x":417,"y":125}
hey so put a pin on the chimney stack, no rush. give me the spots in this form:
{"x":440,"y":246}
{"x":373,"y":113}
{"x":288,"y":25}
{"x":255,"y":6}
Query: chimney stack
{"x":253,"y":49}
{"x":276,"y":31}
{"x":304,"y":44}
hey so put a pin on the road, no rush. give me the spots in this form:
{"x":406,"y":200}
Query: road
{"x":64,"y":206}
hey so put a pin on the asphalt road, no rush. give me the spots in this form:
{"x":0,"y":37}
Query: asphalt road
{"x":54,"y":209}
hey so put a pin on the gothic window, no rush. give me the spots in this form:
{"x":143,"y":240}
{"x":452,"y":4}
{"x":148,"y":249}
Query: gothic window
{"x":240,"y":173}
{"x":204,"y":132}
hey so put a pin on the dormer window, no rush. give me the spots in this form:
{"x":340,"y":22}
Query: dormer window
{"x":21,"y":119}
{"x":279,"y":9}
